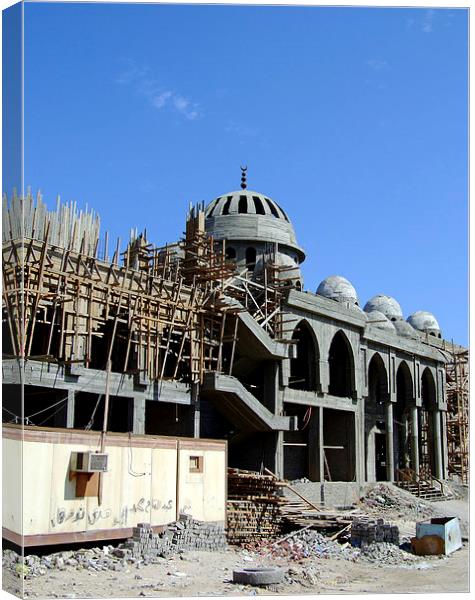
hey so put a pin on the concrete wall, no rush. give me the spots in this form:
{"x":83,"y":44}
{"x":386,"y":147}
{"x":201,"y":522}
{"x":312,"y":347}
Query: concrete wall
{"x":148,"y":480}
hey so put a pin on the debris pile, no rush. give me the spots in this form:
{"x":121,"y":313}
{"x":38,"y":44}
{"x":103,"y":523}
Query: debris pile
{"x":91,"y":559}
{"x":145,"y":547}
{"x":184,"y":534}
{"x":386,"y":554}
{"x":391,"y":500}
{"x":367,"y":530}
{"x":305,"y":543}
{"x":253,"y":507}
{"x":311,"y":544}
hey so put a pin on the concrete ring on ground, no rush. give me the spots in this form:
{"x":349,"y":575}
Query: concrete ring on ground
{"x":258,"y":576}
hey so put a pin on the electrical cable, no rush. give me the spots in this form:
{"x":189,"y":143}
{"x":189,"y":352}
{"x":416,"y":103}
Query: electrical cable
{"x":131,"y":471}
{"x":10,"y":412}
{"x":91,"y":420}
{"x":47,"y":408}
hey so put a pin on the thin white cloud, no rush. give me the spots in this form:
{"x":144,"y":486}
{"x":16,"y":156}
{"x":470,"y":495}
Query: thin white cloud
{"x":142,"y":80}
{"x":160,"y":100}
{"x":428,"y":21}
{"x":131,"y":72}
{"x":377,"y":64}
{"x":186,"y":107}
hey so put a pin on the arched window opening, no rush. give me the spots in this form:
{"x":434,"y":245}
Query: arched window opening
{"x":226,"y":205}
{"x":272,"y":208}
{"x":283,"y":212}
{"x":298,"y":285}
{"x":375,"y":420}
{"x":258,"y":206}
{"x":303,"y":368}
{"x":428,"y":390}
{"x":341,"y":367}
{"x":250,"y":258}
{"x":242,"y":206}
{"x":426,"y":434}
{"x":377,"y":380}
{"x":230,"y":253}
{"x":402,"y":420}
{"x":215,"y":204}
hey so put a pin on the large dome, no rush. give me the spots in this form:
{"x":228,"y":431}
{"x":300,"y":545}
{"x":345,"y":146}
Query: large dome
{"x":251,"y":216}
{"x":385,"y":304}
{"x":338,"y":288}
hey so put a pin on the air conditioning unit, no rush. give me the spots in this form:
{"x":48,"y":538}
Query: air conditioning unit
{"x":91,"y":462}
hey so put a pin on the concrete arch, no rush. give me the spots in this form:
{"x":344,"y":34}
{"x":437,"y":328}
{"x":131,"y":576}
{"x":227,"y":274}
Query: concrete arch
{"x":426,"y":430}
{"x":403,"y":414}
{"x":377,"y":427}
{"x":428,"y":389}
{"x":304,"y":368}
{"x":378,"y":379}
{"x":341,"y":365}
{"x":404,"y":384}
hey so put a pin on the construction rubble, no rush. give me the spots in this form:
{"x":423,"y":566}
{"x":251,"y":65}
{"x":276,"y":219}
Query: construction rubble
{"x":365,"y":538}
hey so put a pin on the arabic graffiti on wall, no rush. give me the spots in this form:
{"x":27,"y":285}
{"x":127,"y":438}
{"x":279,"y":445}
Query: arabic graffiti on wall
{"x":91,"y":518}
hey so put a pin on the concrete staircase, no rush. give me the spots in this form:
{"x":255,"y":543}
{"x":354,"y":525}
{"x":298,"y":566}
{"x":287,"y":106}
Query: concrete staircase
{"x":423,"y":490}
{"x":239,"y":406}
{"x":423,"y":485}
{"x":258,"y":343}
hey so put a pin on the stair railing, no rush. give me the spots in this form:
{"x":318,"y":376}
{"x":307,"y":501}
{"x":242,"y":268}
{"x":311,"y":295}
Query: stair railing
{"x":425,"y":477}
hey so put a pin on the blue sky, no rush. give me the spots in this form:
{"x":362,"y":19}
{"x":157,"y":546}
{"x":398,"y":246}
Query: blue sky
{"x":353,"y":119}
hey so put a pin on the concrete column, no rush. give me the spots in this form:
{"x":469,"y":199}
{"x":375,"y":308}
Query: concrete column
{"x":70,"y":409}
{"x":313,"y":446}
{"x":415,"y":439}
{"x":279,"y":454}
{"x":271,"y":387}
{"x":389,"y":441}
{"x":285,"y":371}
{"x":405,"y":440}
{"x":439,"y":472}
{"x":195,"y":411}
{"x":324,"y":370}
{"x":361,"y":455}
{"x":138,"y":415}
{"x":445,"y":469}
{"x":272,"y":401}
{"x":321,"y":459}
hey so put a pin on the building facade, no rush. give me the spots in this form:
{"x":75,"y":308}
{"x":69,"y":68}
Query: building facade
{"x":217,"y":337}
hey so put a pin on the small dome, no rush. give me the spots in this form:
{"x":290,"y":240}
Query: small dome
{"x":404,"y":329}
{"x":338,"y":288}
{"x":425,"y":321}
{"x":377,"y":319}
{"x":385,"y":304}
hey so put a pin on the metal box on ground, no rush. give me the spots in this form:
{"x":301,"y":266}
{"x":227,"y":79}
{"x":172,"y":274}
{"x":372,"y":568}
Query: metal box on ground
{"x":446,"y":528}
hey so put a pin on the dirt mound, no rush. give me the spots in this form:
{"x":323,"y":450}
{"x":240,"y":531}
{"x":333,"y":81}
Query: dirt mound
{"x":390,"y":500}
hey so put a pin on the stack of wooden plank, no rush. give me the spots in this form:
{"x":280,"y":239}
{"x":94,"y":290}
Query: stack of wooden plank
{"x":253,"y":507}
{"x":300,"y":514}
{"x":257,"y":509}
